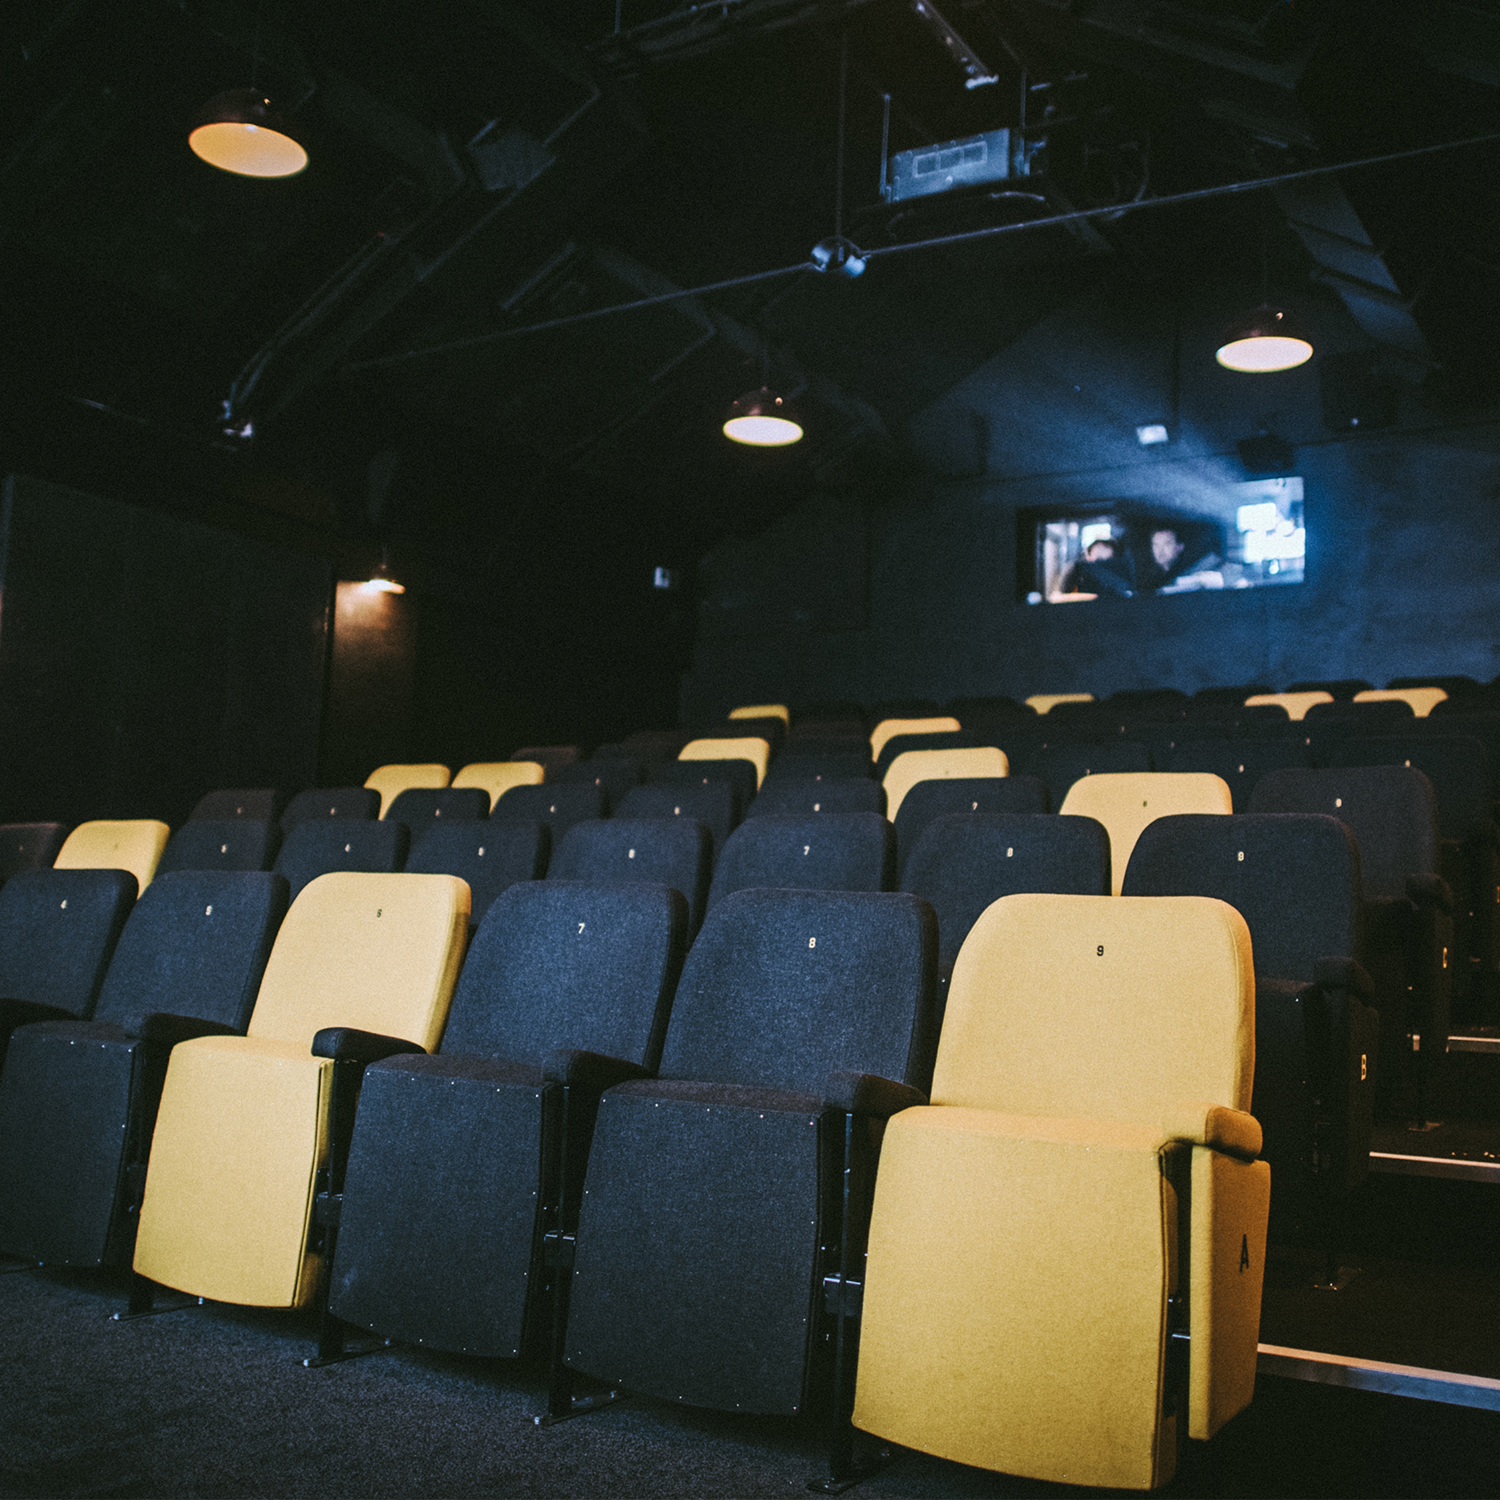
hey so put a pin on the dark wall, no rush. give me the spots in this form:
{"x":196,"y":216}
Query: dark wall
{"x":1403,"y":550}
{"x":146,"y":658}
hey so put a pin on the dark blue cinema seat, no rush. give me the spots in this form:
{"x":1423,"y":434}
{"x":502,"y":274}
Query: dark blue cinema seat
{"x":418,"y":806}
{"x":221,"y":844}
{"x":819,"y":852}
{"x":675,"y":852}
{"x":491,"y":857}
{"x":322,"y":845}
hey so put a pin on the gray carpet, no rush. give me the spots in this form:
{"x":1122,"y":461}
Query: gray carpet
{"x":213,"y":1402}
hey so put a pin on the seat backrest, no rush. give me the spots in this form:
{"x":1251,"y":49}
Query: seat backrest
{"x":740,"y":773}
{"x":498,"y":776}
{"x":1390,"y":810}
{"x":566,"y":963}
{"x":196,"y":944}
{"x":29,"y":846}
{"x":751,"y":747}
{"x":390,"y":781}
{"x":853,"y":851}
{"x":763,"y":711}
{"x":1108,"y":1007}
{"x":1239,"y":763}
{"x":418,"y":806}
{"x":937,"y":739}
{"x":220,"y":844}
{"x":58,"y":930}
{"x":1422,"y":699}
{"x":888,"y":729}
{"x":1293,"y":877}
{"x":330,"y":802}
{"x":321,"y":845}
{"x":1127,"y":802}
{"x":963,"y":794}
{"x":1295,"y":704}
{"x":655,"y":744}
{"x":133,"y":844}
{"x":796,"y":764}
{"x":550,"y":757}
{"x":260,"y":804}
{"x":715,"y":804}
{"x":489,"y":856}
{"x":1457,"y":766}
{"x":1044,"y":703}
{"x":837,"y":794}
{"x":964,"y":862}
{"x":1060,"y":765}
{"x":374,"y":952}
{"x":915,"y":766}
{"x":613,"y":777}
{"x":782,"y":988}
{"x":558,"y":806}
{"x":771,"y":730}
{"x":675,"y":852}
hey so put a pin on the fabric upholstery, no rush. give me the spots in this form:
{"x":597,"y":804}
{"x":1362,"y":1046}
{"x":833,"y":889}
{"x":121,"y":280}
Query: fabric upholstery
{"x":963,"y":794}
{"x":29,"y":846}
{"x":1126,"y":803}
{"x":1456,"y":765}
{"x":488,"y":856}
{"x":498,"y":776}
{"x":419,"y":805}
{"x":750,"y":748}
{"x":319,"y":845}
{"x":1060,"y":765}
{"x":559,"y":807}
{"x":133,"y":844}
{"x":1422,"y":699}
{"x":613,"y":777}
{"x":1295,"y":704}
{"x":843,"y":794}
{"x":937,"y":739}
{"x":934,"y":765}
{"x":1045,"y":702}
{"x":797,"y":764}
{"x":714,"y":804}
{"x":1239,"y":763}
{"x":330,"y":802}
{"x":740,"y":773}
{"x":674,"y":852}
{"x":887,"y":729}
{"x":853,"y":851}
{"x":390,"y":781}
{"x":262,"y":804}
{"x":763,"y":711}
{"x":220,"y":844}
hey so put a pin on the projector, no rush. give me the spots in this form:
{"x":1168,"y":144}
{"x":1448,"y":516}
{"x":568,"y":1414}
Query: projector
{"x":995,"y":156}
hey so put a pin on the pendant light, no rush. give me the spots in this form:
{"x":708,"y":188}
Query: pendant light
{"x":1263,"y":341}
{"x":762,"y":419}
{"x":239,"y":131}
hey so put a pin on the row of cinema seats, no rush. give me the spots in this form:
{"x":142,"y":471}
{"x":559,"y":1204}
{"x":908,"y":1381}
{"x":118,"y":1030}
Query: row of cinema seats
{"x":665,"y":1169}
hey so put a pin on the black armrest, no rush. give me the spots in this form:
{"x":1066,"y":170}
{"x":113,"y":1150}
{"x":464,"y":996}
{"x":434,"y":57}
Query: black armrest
{"x":1430,"y":890}
{"x":165,"y":1028}
{"x":345,"y":1044}
{"x":1343,"y":974}
{"x":15,"y":1013}
{"x":869,"y":1094}
{"x":593,"y":1071}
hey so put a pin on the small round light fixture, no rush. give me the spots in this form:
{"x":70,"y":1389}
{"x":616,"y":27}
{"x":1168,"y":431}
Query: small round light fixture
{"x":1261,"y":342}
{"x":761,"y":419}
{"x":239,"y":132}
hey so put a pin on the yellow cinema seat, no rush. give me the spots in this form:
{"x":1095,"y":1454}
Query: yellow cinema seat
{"x":763,"y":711}
{"x":888,"y":729}
{"x":390,"y":781}
{"x":752,"y":748}
{"x":1126,"y":801}
{"x":133,"y":844}
{"x":1422,"y":699}
{"x":912,"y":766}
{"x":1044,"y":703}
{"x":1085,"y":1168}
{"x":497,"y":777}
{"x":243,"y":1129}
{"x":1295,"y":704}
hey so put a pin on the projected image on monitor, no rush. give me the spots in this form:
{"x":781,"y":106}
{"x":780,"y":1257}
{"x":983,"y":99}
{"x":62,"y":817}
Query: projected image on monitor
{"x":1250,"y":536}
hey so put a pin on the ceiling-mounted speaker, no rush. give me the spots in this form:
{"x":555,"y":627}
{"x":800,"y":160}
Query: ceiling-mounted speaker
{"x":1356,"y":391}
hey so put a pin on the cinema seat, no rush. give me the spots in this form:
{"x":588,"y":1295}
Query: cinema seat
{"x":1060,"y":764}
{"x":853,"y":851}
{"x":456,"y":1161}
{"x":837,"y":794}
{"x":963,"y":794}
{"x":133,"y":844}
{"x":1422,"y":699}
{"x":915,"y":766}
{"x":559,"y":807}
{"x":58,"y":930}
{"x":330,"y":802}
{"x":221,"y":844}
{"x":763,"y":711}
{"x":78,"y":1098}
{"x":29,"y":846}
{"x":715,"y":804}
{"x":363,"y":967}
{"x":797,"y":764}
{"x":1239,"y":763}
{"x":1127,"y":802}
{"x":936,"y":739}
{"x":1295,"y":879}
{"x":772,"y":730}
{"x":419,"y":806}
{"x":888,"y":729}
{"x":1044,"y":703}
{"x":260,"y":804}
{"x":674,"y":852}
{"x":489,"y":857}
{"x":708,"y":1223}
{"x":322,"y":845}
{"x":390,"y":781}
{"x":613,"y":777}
{"x":1086,"y":1167}
{"x":1295,"y":704}
{"x":752,"y":748}
{"x":498,"y":776}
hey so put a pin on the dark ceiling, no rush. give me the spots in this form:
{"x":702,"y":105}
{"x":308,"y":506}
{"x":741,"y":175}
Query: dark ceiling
{"x":479,"y":169}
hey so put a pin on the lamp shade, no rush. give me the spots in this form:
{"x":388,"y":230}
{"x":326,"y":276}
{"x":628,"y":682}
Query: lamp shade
{"x":761,"y":419}
{"x":238,"y":131}
{"x":1263,"y":341}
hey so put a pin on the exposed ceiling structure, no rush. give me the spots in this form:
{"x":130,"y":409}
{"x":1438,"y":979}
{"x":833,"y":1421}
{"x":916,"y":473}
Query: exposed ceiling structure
{"x":406,"y":339}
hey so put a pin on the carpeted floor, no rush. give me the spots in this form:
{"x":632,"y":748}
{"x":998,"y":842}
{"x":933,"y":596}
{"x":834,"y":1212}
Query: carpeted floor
{"x":213,"y":1402}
